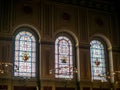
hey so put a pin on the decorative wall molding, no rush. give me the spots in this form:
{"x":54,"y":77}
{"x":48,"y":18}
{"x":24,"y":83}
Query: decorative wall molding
{"x":6,"y":38}
{"x":101,"y":5}
{"x":5,"y":13}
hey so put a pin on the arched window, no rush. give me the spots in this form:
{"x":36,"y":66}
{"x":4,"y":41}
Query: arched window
{"x":98,"y":63}
{"x":63,"y":58}
{"x":25,"y":54}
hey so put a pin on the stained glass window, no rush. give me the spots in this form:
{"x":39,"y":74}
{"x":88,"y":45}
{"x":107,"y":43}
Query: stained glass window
{"x":63,"y":58}
{"x":98,"y":67}
{"x":25,"y":55}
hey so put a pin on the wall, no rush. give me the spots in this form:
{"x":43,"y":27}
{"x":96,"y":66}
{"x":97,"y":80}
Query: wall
{"x":49,"y":17}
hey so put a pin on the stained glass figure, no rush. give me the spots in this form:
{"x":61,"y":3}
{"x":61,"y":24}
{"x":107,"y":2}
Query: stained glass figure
{"x":25,"y":55}
{"x":63,"y":58}
{"x":98,"y":66}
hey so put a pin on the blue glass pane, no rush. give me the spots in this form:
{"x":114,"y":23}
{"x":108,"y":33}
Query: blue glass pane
{"x":98,"y":66}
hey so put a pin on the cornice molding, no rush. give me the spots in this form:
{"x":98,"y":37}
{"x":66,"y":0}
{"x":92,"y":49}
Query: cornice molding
{"x":116,"y":49}
{"x":99,"y":5}
{"x":47,"y":43}
{"x":6,"y":38}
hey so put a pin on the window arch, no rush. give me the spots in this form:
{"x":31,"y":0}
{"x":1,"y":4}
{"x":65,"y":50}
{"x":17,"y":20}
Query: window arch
{"x":63,"y":57}
{"x":25,"y":54}
{"x":98,"y":63}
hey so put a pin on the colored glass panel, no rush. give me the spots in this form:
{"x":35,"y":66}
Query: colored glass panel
{"x":25,"y":55}
{"x":63,"y":58}
{"x":98,"y":67}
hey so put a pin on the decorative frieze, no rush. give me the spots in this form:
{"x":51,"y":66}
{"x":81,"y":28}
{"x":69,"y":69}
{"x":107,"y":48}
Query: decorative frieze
{"x":101,"y":5}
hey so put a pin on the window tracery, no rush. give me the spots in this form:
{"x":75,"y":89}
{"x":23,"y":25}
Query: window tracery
{"x":63,"y":58}
{"x":98,"y":65}
{"x":25,"y":54}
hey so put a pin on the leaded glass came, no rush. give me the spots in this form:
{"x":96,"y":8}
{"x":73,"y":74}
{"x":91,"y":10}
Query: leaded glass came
{"x":63,"y":58}
{"x":25,"y":55}
{"x":98,"y":67}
